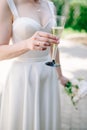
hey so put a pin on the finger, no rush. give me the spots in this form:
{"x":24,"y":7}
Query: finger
{"x":40,"y":48}
{"x":48,"y":41}
{"x":47,"y":35}
{"x":42,"y":44}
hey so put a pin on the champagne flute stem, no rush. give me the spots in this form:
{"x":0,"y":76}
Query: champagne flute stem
{"x":54,"y":52}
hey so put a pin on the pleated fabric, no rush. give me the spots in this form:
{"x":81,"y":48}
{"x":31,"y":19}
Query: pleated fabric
{"x":31,"y":98}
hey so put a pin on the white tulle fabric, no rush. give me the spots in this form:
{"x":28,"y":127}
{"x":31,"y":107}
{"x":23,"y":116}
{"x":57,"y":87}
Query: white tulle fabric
{"x":30,"y":97}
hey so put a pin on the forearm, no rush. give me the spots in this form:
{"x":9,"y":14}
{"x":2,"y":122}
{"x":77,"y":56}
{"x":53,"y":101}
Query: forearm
{"x":59,"y":71}
{"x":12,"y":51}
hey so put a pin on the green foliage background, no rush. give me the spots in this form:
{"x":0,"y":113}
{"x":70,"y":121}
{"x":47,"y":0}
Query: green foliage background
{"x":75,"y":12}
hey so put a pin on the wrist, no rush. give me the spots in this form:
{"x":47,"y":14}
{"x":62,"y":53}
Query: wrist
{"x":60,"y":76}
{"x":59,"y":72}
{"x":27,"y":44}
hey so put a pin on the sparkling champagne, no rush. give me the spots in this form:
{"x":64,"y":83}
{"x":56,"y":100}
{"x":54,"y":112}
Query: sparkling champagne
{"x":57,"y":31}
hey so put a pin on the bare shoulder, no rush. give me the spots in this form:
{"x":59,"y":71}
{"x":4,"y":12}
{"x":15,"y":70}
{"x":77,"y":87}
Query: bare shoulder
{"x":5,"y":22}
{"x":18,"y":2}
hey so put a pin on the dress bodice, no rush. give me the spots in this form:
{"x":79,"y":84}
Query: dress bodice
{"x":24,"y":27}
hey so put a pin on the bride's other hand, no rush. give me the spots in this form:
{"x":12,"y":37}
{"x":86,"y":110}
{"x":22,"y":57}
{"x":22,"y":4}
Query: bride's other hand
{"x":63,"y":80}
{"x":41,"y":40}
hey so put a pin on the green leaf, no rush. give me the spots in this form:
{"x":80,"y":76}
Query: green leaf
{"x":76,"y":86}
{"x":68,"y":84}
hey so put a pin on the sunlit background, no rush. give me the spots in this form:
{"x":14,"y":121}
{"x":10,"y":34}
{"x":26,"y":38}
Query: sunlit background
{"x":75,"y":12}
{"x":73,"y":57}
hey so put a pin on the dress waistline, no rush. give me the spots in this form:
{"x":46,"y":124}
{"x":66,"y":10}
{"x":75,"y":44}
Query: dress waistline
{"x":38,"y":59}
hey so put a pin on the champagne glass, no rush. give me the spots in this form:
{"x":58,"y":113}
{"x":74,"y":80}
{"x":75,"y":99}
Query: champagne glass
{"x":57,"y":29}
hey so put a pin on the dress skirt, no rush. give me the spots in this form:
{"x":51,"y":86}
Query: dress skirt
{"x":30,"y":97}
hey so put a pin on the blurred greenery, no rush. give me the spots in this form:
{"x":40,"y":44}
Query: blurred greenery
{"x":75,"y":12}
{"x":70,"y":31}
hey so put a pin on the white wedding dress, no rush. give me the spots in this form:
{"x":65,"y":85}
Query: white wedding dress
{"x":30,"y":97}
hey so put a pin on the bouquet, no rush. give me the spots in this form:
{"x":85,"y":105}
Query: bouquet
{"x":76,"y":89}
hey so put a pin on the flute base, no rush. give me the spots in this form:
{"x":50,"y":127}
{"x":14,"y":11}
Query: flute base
{"x":52,"y":64}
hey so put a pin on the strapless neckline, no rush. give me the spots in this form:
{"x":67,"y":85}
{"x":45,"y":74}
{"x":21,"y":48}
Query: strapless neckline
{"x":31,"y":19}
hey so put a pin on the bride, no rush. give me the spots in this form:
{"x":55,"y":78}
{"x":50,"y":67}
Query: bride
{"x":30,"y":97}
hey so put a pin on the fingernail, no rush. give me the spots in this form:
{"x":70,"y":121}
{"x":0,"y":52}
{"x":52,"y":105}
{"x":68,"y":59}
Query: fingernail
{"x":47,"y":44}
{"x":44,"y":49}
{"x":57,"y":38}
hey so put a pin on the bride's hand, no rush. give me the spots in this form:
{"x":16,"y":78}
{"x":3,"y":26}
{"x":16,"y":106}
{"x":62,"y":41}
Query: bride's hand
{"x":63,"y":80}
{"x":41,"y":40}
